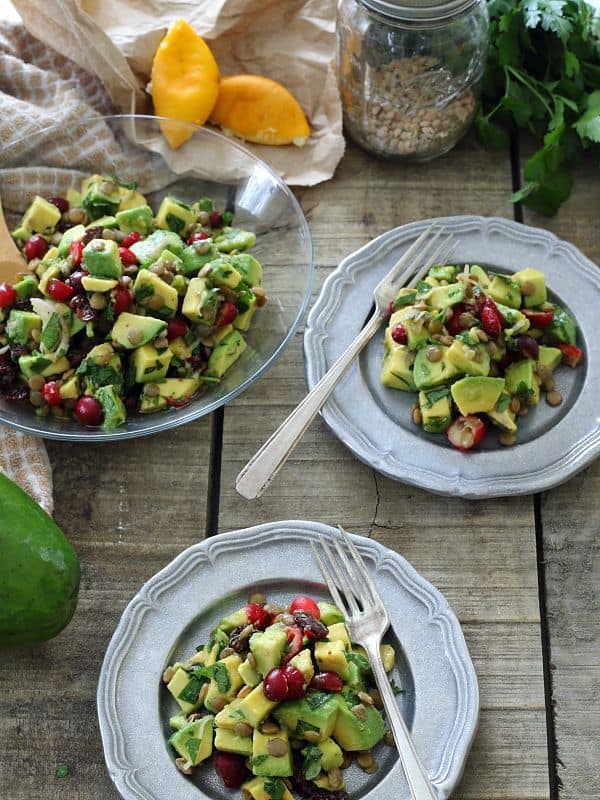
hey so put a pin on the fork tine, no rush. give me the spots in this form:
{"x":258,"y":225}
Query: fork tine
{"x":342,"y":580}
{"x":446,"y":248}
{"x":333,"y":590}
{"x":406,"y":257}
{"x":361,"y":566}
{"x":359,"y":594}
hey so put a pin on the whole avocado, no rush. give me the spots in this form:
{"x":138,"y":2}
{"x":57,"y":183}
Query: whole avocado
{"x":39,"y":571}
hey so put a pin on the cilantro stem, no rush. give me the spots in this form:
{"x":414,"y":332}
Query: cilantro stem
{"x":520,"y":77}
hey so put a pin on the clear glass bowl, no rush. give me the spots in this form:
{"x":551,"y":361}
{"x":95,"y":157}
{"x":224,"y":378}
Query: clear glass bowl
{"x":207,"y":164}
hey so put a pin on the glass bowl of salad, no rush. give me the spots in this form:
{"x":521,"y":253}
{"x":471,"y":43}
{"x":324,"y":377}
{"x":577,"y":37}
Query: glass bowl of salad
{"x":165,"y":269}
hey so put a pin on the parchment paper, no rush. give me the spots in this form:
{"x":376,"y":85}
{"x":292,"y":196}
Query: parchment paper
{"x":291,"y":41}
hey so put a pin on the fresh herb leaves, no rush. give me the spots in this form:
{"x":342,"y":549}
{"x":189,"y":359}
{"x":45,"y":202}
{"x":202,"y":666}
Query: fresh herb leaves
{"x":395,"y":688}
{"x":543,"y":75}
{"x":219,"y":673}
{"x":356,"y":658}
{"x":275,"y":788}
{"x":51,"y":335}
{"x":311,"y":766}
{"x":258,"y":760}
{"x":193,"y":746}
{"x":191,"y":690}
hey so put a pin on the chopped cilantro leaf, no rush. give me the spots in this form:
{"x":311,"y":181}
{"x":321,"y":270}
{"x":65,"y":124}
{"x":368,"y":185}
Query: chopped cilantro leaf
{"x":192,"y":746}
{"x":275,"y":788}
{"x":191,"y":690}
{"x":503,"y":403}
{"x":51,"y":335}
{"x":175,"y":223}
{"x":311,"y":766}
{"x":395,"y":688}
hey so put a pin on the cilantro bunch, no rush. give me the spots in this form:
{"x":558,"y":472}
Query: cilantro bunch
{"x":543,"y":75}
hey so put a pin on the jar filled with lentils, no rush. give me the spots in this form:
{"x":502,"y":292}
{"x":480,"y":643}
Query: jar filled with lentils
{"x":410,"y":73}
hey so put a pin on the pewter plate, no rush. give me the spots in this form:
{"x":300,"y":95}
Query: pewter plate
{"x":175,"y":610}
{"x":375,"y":422}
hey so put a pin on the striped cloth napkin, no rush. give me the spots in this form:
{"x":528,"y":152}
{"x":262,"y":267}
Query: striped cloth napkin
{"x":38,"y":88}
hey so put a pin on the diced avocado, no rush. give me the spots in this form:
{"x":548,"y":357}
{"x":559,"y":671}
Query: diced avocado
{"x":428,"y":374}
{"x":73,"y":198}
{"x":517,"y":322}
{"x":339,"y":633}
{"x":225,"y":684}
{"x":101,"y":258}
{"x":502,"y":414}
{"x":101,"y":196}
{"x":217,"y":640}
{"x":331,"y":657}
{"x":316,"y":712}
{"x":171,"y":392}
{"x":469,"y":359}
{"x":104,"y":222}
{"x":397,"y":367}
{"x":138,"y":220}
{"x":149,"y":364}
{"x":180,"y":284}
{"x":330,"y":614}
{"x":445,"y":296}
{"x":130,"y":198}
{"x":331,"y":754}
{"x":20,"y":324}
{"x":549,"y":357}
{"x":413,"y":320}
{"x":195,"y":741}
{"x":174,"y":215}
{"x":256,"y":706}
{"x":436,"y":411}
{"x":263,"y":762}
{"x":21,"y":233}
{"x":388,"y":656}
{"x":229,"y":742}
{"x":505,"y":290}
{"x":248,"y":674}
{"x":474,"y":395}
{"x":41,"y":216}
{"x":243,"y":320}
{"x":112,"y":406}
{"x":268,"y":648}
{"x":303,"y":662}
{"x":185,"y":688}
{"x":230,"y":715}
{"x":178,"y":721}
{"x":200,"y":302}
{"x":239,"y":617}
{"x":352,"y":732}
{"x":534,"y":283}
{"x":234,"y":239}
{"x":101,"y":367}
{"x":482,"y":277}
{"x":248,"y":267}
{"x":180,"y":348}
{"x":194,"y":257}
{"x":46,"y":365}
{"x":267,"y":788}
{"x":226,"y":353}
{"x":521,"y":380}
{"x":26,"y":287}
{"x":562,"y":329}
{"x":148,"y":250}
{"x":91,"y":284}
{"x":70,"y":390}
{"x":223,"y":273}
{"x":153,"y":293}
{"x":168,"y":260}
{"x":443,"y":272}
{"x":132,"y":330}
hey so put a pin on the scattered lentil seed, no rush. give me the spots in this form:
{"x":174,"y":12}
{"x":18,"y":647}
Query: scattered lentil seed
{"x":242,"y":729}
{"x":168,"y":277}
{"x":312,"y":736}
{"x":168,"y":674}
{"x":246,"y":795}
{"x":360,"y":711}
{"x":335,"y":778}
{"x":251,"y":660}
{"x":277,"y":747}
{"x":261,"y":297}
{"x":435,"y":326}
{"x":76,"y":216}
{"x":203,"y":247}
{"x":98,"y":301}
{"x":389,"y":739}
{"x":36,"y":382}
{"x":507,"y":438}
{"x":554,"y":398}
{"x":515,"y":405}
{"x":365,"y":698}
{"x":548,"y":384}
{"x":183,"y":765}
{"x":226,"y":651}
{"x":97,"y":245}
{"x":108,"y":233}
{"x":257,"y":598}
{"x":433,"y":354}
{"x":135,"y":336}
{"x":482,"y":335}
{"x":203,"y":217}
{"x":287,"y":619}
{"x":269,"y":727}
{"x":377,"y":701}
{"x":523,"y":411}
{"x":244,"y":691}
{"x":202,"y":693}
{"x":157,"y":269}
{"x":348,"y":759}
{"x":478,"y":357}
{"x":372,"y":769}
{"x":155,"y":302}
{"x":130,"y":269}
{"x":273,"y":608}
{"x":35,"y":398}
{"x":364,"y":759}
{"x":417,"y":416}
{"x":152,"y":390}
{"x":218,"y":703}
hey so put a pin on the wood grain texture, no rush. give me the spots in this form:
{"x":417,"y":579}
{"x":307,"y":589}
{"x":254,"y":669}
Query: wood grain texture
{"x":571,"y":527}
{"x":480,"y":554}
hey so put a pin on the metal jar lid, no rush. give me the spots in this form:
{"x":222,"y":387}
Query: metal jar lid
{"x":419,"y":10}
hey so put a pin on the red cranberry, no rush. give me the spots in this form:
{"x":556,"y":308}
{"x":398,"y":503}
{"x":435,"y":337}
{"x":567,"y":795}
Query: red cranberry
{"x":257,"y":615}
{"x":232,"y":768}
{"x":60,"y":203}
{"x":327,"y":682}
{"x":227,"y":313}
{"x":75,"y":279}
{"x":305,"y":604}
{"x":295,"y":639}
{"x":123,"y":300}
{"x":76,"y":252}
{"x":59,"y":290}
{"x":128,"y":258}
{"x":295,"y":681}
{"x":88,"y":411}
{"x":275,"y":685}
{"x":216,"y":220}
{"x":399,"y":334}
{"x":36,"y":247}
{"x":131,"y":238}
{"x":51,"y":393}
{"x":197,"y":237}
{"x":8,"y":296}
{"x":176,"y":328}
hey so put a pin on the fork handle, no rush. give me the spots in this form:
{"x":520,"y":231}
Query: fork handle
{"x":421,"y":787}
{"x":266,"y":463}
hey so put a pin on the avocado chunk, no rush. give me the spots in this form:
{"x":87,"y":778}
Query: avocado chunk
{"x":562,"y":329}
{"x":224,"y":683}
{"x":337,"y":632}
{"x":413,"y":320}
{"x":148,"y":250}
{"x":229,"y":742}
{"x":522,"y":380}
{"x":303,"y":662}
{"x":178,"y":721}
{"x":316,"y":712}
{"x":91,"y":284}
{"x":112,"y":406}
{"x":445,"y":296}
{"x":224,"y":274}
{"x":331,"y":657}
{"x":388,"y":657}
{"x":549,"y":357}
{"x":105,"y":222}
{"x":230,"y":715}
{"x":267,"y":788}
{"x":101,"y":259}
{"x":156,"y":295}
{"x":101,"y":367}
{"x":149,"y":364}
{"x":533,"y":286}
{"x":130,"y":198}
{"x":352,"y":732}
{"x":244,"y":318}
{"x":268,"y":648}
{"x":397,"y":367}
{"x":323,"y":756}
{"x":185,"y":688}
{"x":46,"y":365}
{"x":255,"y":707}
{"x":249,"y":674}
{"x":217,"y":640}
{"x":195,"y":256}
{"x":200,"y":302}
{"x":195,"y":741}
{"x":132,"y":330}
{"x":248,"y":267}
{"x":502,"y":414}
{"x":227,"y":351}
{"x":474,"y":395}
{"x":505,"y":290}
{"x":173,"y":215}
{"x":428,"y":374}
{"x":138,"y":220}
{"x":436,"y":411}
{"x":70,"y":389}
{"x":482,"y":277}
{"x":41,"y":216}
{"x":26,"y":287}
{"x":101,"y":196}
{"x":443,"y":272}
{"x":171,"y":392}
{"x":330,"y":614}
{"x":469,"y":359}
{"x":517,"y":322}
{"x":263,"y":762}
{"x":239,"y":617}
{"x":234,"y":239}
{"x":20,"y":324}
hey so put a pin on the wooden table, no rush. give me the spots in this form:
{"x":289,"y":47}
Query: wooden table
{"x":521,"y":573}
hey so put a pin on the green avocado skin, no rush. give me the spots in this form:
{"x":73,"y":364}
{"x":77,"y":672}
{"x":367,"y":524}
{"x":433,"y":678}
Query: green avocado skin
{"x":39,"y":571}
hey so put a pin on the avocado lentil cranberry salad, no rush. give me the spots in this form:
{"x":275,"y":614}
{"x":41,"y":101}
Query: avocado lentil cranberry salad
{"x":281,"y":699}
{"x":477,"y":346}
{"x":124,"y":309}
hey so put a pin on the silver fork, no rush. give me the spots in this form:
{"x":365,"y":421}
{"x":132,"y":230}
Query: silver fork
{"x":266,"y":462}
{"x":354,"y":592}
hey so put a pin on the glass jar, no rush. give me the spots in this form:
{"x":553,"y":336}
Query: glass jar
{"x":410,"y":73}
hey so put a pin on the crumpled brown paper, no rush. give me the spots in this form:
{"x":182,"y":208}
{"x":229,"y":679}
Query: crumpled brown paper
{"x":292,"y":42}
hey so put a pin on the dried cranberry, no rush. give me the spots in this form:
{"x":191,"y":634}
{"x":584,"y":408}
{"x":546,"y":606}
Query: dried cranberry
{"x":23,"y":305}
{"x":453,"y":325}
{"x":61,"y":203}
{"x":75,"y":278}
{"x":399,"y":334}
{"x":59,"y":290}
{"x":8,"y":296}
{"x":51,"y":393}
{"x":238,"y":642}
{"x":176,"y":328}
{"x":92,"y":233}
{"x":86,"y":313}
{"x":307,"y":604}
{"x":227,"y":313}
{"x":197,"y":237}
{"x":88,"y":411}
{"x":257,"y":615}
{"x":528,"y":346}
{"x":232,"y":768}
{"x":312,"y":627}
{"x":36,"y":247}
{"x":216,"y":220}
{"x":295,"y":681}
{"x":16,"y":393}
{"x":327,"y":682}
{"x":17,"y":350}
{"x":131,"y":238}
{"x":275,"y":685}
{"x":491,"y":319}
{"x":128,"y":257}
